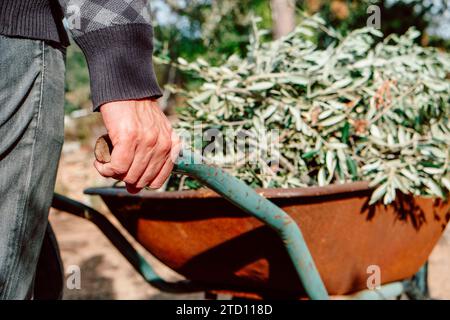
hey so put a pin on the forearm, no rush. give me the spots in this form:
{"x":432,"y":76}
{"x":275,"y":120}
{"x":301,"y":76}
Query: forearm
{"x":117,"y":40}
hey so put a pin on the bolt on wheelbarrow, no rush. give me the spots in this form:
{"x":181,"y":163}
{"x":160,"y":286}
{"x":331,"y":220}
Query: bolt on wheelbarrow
{"x":225,"y":258}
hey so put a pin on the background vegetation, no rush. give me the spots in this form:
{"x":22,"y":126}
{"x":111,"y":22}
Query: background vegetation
{"x":215,"y":29}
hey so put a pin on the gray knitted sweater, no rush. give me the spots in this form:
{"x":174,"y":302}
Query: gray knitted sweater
{"x":116,"y":37}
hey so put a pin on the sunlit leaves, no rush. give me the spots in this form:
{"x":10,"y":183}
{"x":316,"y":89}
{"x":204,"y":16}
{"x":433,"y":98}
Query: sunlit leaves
{"x":351,"y":111}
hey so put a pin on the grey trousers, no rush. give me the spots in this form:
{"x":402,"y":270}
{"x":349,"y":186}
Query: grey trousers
{"x":31,"y":137}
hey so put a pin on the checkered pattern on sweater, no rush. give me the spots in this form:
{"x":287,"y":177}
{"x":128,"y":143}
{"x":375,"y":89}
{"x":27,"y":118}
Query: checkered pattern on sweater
{"x":91,"y":15}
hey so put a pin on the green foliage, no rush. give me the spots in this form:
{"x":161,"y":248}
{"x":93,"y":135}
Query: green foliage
{"x":396,"y":16}
{"x":216,"y":29}
{"x":358,"y":109}
{"x":77,"y":80}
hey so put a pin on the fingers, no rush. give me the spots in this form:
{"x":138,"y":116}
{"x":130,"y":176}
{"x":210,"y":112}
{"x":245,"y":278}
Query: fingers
{"x":132,"y":190}
{"x":160,"y":156}
{"x":154,"y":177}
{"x":163,"y":174}
{"x":121,"y":158}
{"x":165,"y":171}
{"x":144,"y":145}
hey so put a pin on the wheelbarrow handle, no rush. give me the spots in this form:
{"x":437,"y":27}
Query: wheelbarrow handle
{"x":246,"y":198}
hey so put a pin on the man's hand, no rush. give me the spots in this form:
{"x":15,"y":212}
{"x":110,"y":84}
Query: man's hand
{"x":145,"y":147}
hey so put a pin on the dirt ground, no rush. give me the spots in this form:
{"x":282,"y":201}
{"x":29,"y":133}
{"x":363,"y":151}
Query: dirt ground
{"x":105,"y":274}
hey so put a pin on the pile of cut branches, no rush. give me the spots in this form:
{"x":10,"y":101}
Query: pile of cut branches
{"x":355,"y":110}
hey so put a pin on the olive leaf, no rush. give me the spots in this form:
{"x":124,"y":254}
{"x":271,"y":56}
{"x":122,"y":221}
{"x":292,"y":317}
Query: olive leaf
{"x":355,"y":110}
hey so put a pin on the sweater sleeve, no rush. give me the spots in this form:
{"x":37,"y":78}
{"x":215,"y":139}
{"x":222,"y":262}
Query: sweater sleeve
{"x":116,"y":36}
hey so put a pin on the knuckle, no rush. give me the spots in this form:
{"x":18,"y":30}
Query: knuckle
{"x":130,"y":134}
{"x":150,"y":139}
{"x":139,"y":136}
{"x":166,"y":146}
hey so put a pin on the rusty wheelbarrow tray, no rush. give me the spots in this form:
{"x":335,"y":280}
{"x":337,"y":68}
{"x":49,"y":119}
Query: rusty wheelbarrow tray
{"x":230,"y":245}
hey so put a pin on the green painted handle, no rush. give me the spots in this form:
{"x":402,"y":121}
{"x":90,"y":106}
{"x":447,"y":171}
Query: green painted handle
{"x":246,"y":198}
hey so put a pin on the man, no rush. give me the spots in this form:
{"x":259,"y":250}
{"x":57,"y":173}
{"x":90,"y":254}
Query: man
{"x":116,"y":38}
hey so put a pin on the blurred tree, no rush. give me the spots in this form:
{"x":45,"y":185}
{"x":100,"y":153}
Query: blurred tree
{"x":283,"y":17}
{"x":220,"y":28}
{"x":214,"y":27}
{"x":397,"y":16}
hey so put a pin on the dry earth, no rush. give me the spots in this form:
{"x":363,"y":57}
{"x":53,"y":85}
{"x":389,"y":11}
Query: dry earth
{"x":105,"y":274}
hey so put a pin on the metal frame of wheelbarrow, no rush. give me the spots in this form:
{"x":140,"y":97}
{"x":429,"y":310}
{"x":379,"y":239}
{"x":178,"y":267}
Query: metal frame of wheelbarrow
{"x":244,"y":197}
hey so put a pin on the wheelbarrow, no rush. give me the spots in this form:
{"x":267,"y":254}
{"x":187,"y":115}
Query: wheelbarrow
{"x":316,"y":243}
